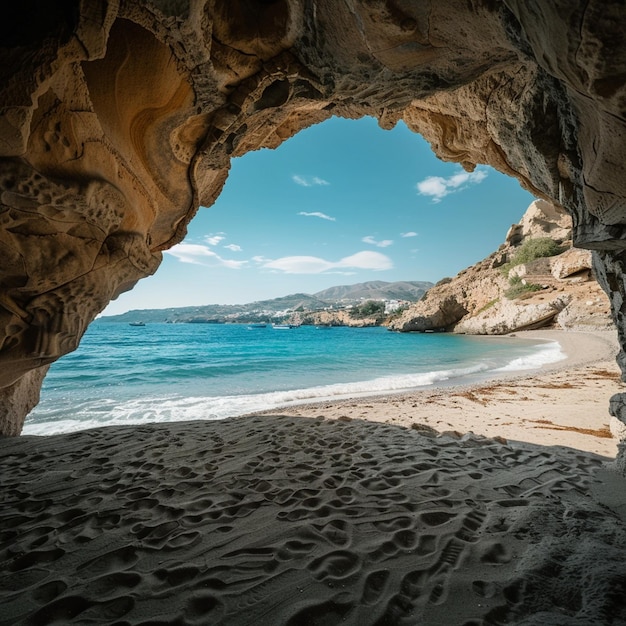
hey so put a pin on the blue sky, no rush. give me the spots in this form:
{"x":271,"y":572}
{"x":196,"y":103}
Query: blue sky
{"x":342,"y":202}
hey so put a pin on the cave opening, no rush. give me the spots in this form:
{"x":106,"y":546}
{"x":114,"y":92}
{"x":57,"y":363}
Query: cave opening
{"x":363,"y":181}
{"x":284,"y":224}
{"x":118,"y":120}
{"x":120,"y":138}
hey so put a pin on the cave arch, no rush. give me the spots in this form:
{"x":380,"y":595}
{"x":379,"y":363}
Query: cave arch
{"x":362,"y":167}
{"x":121,"y":120}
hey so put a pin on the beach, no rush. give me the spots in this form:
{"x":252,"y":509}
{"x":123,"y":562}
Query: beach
{"x":563,"y":403}
{"x":469,"y":506}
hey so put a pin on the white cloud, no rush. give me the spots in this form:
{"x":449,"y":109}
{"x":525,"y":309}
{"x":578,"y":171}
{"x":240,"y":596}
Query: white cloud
{"x":365,"y":260}
{"x":198,"y":254}
{"x":409,"y":234}
{"x":213,"y":240}
{"x":233,"y":247}
{"x":385,"y":243}
{"x":191,"y":253}
{"x":309,"y":181}
{"x":438,"y":187}
{"x":318,"y":214}
{"x":300,"y":265}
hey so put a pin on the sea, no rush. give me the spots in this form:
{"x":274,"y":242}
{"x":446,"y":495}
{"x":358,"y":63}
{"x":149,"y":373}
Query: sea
{"x":122,"y":374}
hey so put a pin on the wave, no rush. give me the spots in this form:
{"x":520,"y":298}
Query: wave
{"x":549,"y":352}
{"x":164,"y":407}
{"x":107,"y":412}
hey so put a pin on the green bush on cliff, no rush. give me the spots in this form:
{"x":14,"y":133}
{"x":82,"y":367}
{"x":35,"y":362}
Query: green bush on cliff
{"x":519,"y":288}
{"x":487,"y":306}
{"x":533,"y":249}
{"x":537,"y":248}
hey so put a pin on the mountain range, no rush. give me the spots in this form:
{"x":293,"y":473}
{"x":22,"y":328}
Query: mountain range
{"x":375,"y":290}
{"x":411,"y":291}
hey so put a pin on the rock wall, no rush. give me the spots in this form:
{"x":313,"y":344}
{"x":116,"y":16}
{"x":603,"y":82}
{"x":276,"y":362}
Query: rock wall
{"x":118,"y":120}
{"x":478,"y":302}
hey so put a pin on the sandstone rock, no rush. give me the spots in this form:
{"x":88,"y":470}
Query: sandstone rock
{"x":332,"y":318}
{"x":479,"y":291}
{"x":580,"y":316}
{"x":432,"y":314}
{"x":18,"y":399}
{"x":617,"y":428}
{"x":508,"y":316}
{"x":545,"y":219}
{"x":445,"y":304}
{"x":514,"y":236}
{"x":117,"y":120}
{"x":571,"y":262}
{"x":538,"y":267}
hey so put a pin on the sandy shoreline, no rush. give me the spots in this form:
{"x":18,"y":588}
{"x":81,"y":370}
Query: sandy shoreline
{"x":564,"y":403}
{"x":286,"y":520}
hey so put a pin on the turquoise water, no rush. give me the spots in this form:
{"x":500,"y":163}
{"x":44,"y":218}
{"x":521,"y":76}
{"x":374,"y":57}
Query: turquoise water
{"x":166,"y":372}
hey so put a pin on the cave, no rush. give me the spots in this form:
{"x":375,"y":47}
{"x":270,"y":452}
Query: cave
{"x":118,"y":120}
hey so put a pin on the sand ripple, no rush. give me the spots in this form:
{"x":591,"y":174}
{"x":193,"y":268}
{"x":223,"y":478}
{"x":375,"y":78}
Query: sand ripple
{"x":271,"y":520}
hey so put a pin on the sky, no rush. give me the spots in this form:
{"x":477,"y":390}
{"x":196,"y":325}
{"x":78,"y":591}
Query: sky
{"x":342,"y":202}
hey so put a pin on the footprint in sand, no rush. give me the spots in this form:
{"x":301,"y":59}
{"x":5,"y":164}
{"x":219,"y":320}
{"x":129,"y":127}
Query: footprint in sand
{"x":112,"y":584}
{"x":204,"y":608}
{"x":374,"y":587}
{"x":62,"y":611}
{"x":115,"y":561}
{"x":49,"y":591}
{"x":437,"y":518}
{"x":335,"y":565}
{"x":36,"y":557}
{"x":496,"y":553}
{"x":485,"y":589}
{"x":337,"y":532}
{"x":394,"y":524}
{"x":294,"y":549}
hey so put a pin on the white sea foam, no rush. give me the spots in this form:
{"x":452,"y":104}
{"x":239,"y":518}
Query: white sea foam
{"x":549,"y":352}
{"x":146,"y":410}
{"x":150,"y":409}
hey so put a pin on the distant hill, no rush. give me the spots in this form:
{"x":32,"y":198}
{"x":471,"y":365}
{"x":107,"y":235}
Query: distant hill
{"x":375,"y":290}
{"x":262,"y":310}
{"x":293,"y":301}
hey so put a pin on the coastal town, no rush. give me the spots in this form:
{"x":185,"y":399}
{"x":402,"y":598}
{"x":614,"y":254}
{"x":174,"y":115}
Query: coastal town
{"x":365,"y":304}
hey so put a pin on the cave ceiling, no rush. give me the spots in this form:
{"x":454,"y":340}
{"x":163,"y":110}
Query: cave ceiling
{"x":118,"y":121}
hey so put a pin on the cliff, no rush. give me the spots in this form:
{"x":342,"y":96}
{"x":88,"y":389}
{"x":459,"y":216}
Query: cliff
{"x":499,"y":295}
{"x":333,"y":318}
{"x":118,"y":120}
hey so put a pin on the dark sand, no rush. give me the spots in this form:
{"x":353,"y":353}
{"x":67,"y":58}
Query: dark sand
{"x":277,"y":520}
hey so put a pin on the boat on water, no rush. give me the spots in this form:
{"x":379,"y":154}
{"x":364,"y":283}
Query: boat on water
{"x":284,"y":326}
{"x":136,"y":323}
{"x":251,"y":326}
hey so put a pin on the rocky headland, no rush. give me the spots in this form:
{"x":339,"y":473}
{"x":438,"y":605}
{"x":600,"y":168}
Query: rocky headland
{"x":499,"y":295}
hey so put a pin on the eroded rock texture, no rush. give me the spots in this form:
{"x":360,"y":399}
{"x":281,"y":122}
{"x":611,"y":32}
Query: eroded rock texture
{"x":118,"y":119}
{"x":479,"y":299}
